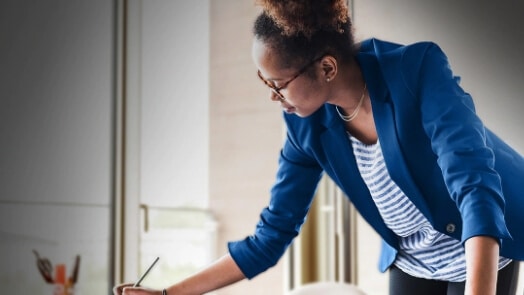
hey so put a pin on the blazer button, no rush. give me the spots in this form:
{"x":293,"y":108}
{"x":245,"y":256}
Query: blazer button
{"x":450,"y":228}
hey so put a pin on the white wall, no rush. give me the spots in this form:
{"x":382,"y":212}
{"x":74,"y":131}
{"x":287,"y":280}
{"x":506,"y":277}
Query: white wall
{"x":55,"y":140}
{"x":483,"y":40}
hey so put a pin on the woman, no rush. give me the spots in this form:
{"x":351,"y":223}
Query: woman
{"x":392,"y":127}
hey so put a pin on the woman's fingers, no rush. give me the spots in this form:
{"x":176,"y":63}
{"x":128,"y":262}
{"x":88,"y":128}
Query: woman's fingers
{"x":119,"y":290}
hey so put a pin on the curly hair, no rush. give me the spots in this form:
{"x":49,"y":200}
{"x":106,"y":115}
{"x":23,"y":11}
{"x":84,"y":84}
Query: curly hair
{"x":301,"y":30}
{"x":306,"y":17}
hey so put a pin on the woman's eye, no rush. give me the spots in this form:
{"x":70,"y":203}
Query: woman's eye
{"x":276,"y":85}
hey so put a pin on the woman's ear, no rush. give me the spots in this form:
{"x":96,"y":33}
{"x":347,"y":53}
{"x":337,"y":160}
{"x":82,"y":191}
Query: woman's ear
{"x":329,"y":67}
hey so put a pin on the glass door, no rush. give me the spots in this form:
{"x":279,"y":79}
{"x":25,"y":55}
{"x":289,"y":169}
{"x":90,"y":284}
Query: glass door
{"x":166,"y":141}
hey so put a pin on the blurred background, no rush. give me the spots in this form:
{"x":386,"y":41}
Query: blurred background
{"x":131,"y":129}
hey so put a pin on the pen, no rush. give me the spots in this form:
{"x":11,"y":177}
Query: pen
{"x":145,"y":273}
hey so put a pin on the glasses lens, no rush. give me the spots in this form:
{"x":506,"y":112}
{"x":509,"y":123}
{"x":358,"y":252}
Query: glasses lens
{"x":280,"y":97}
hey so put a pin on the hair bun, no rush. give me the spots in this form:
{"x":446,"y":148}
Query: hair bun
{"x":306,"y":17}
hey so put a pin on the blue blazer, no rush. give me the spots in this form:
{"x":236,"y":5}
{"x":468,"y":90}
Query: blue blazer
{"x":462,"y":177}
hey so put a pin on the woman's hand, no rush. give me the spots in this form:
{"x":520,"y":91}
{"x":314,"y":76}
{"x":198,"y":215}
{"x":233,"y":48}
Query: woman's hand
{"x":128,"y":289}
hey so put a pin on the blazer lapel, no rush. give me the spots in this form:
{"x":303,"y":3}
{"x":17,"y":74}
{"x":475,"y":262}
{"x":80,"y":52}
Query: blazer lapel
{"x":385,"y":123}
{"x":345,"y":173}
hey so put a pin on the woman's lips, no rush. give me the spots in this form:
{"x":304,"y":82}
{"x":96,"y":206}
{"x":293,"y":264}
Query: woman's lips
{"x":289,"y":110}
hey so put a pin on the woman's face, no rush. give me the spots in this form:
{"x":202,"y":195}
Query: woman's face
{"x":296,"y":91}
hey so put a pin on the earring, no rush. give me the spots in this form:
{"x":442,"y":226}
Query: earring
{"x":327,"y":79}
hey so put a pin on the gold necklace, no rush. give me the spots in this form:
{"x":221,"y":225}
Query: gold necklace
{"x":355,"y":112}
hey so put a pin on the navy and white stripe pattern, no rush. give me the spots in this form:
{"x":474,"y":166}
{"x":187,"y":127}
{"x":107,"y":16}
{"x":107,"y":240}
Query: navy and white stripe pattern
{"x":424,"y":252}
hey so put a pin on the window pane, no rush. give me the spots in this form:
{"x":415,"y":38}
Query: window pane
{"x":184,"y":239}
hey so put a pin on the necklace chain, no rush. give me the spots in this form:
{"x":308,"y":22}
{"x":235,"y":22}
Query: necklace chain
{"x":357,"y":109}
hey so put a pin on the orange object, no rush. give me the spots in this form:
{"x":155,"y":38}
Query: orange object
{"x":60,"y":274}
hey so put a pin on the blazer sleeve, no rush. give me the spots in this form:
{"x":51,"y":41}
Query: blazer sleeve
{"x":458,"y":138}
{"x":280,"y":222}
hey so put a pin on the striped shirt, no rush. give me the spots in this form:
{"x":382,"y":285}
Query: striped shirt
{"x":424,"y":252}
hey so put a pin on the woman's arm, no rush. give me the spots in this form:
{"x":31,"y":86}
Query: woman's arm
{"x":482,"y":255}
{"x":458,"y":139}
{"x":222,"y":273}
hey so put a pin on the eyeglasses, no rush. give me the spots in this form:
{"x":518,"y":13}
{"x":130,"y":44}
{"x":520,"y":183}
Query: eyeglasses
{"x":276,"y":89}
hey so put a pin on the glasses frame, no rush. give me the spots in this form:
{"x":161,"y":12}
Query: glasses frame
{"x":276,"y":89}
